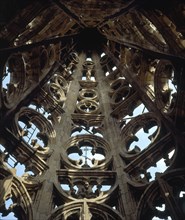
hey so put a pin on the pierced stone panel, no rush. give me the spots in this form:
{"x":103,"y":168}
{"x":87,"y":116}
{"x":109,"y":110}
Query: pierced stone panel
{"x":154,"y":153}
{"x":124,"y":99}
{"x":81,"y":130}
{"x":88,"y":107}
{"x":88,"y":65}
{"x":51,"y":107}
{"x":60,"y":81}
{"x":80,"y":189}
{"x":14,"y":77}
{"x":56,"y":92}
{"x":137,"y":109}
{"x":36,"y":64}
{"x":11,"y":162}
{"x":87,"y":152}
{"x":57,"y":88}
{"x":165,"y":86}
{"x":89,"y":210}
{"x":164,"y":199}
{"x":92,"y":185}
{"x":73,"y":57}
{"x":109,"y":68}
{"x":39,"y":108}
{"x":120,"y":95}
{"x":33,"y":127}
{"x":48,"y":56}
{"x":131,"y":131}
{"x":33,"y":132}
{"x":87,"y":120}
{"x":52,"y":96}
{"x":89,"y":94}
{"x":84,"y":155}
{"x":102,"y":179}
{"x":150,"y":163}
{"x":118,"y":83}
{"x":15,"y":196}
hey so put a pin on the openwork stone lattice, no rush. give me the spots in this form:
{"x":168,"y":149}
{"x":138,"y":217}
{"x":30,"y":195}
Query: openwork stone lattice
{"x":92,"y":110}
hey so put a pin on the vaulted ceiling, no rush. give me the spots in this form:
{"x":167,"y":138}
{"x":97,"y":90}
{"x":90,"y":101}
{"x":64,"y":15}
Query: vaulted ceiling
{"x":152,"y":27}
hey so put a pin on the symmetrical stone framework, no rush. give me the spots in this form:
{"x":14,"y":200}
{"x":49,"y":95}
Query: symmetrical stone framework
{"x":92,"y":117}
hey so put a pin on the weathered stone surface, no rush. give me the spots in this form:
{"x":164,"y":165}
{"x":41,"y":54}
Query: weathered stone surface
{"x":92,"y":104}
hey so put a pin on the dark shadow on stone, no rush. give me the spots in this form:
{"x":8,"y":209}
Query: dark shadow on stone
{"x":90,"y":39}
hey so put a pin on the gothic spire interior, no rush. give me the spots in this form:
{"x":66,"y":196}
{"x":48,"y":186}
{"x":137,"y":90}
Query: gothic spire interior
{"x":92,"y":110}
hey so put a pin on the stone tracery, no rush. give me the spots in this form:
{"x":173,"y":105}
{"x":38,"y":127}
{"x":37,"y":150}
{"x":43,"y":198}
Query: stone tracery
{"x":75,"y":113}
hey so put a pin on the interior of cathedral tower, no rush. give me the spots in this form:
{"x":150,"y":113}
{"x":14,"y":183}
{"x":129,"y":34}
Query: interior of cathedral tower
{"x":92,"y":110}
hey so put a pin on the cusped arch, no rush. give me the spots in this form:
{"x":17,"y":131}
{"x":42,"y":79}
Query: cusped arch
{"x":97,"y":145}
{"x":88,"y":107}
{"x":164,"y":191}
{"x":90,"y":210}
{"x":22,"y":203}
{"x":145,"y":122}
{"x":15,"y":78}
{"x":90,"y":185}
{"x":30,"y":116}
